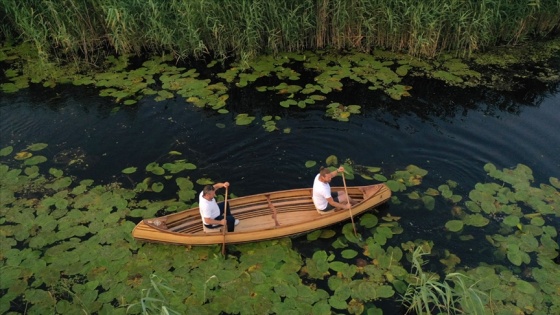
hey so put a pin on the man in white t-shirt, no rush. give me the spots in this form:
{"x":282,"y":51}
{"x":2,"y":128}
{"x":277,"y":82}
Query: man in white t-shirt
{"x":323,"y":198}
{"x":212,"y":213}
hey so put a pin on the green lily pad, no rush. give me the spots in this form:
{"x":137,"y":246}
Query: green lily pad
{"x":553,"y":181}
{"x":511,"y":220}
{"x":314,"y":235}
{"x":525,"y":287}
{"x":129,"y":170}
{"x":476,"y":220}
{"x":37,"y":146}
{"x":310,"y":164}
{"x":349,"y":253}
{"x":244,"y":119}
{"x":6,"y":151}
{"x":331,"y":160}
{"x":454,"y":225}
{"x":35,"y":160}
{"x":368,"y":220}
{"x":429,"y":202}
{"x":514,"y":254}
{"x":157,"y":187}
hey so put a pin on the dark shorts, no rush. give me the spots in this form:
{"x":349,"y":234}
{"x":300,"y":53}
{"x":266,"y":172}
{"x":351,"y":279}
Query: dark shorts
{"x":334,"y":196}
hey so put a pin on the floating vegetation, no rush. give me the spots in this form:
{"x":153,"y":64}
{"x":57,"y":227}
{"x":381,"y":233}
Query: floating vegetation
{"x":340,"y":112}
{"x":299,"y":79}
{"x":66,"y":248}
{"x":244,"y":119}
{"x":75,"y":158}
{"x":269,"y":123}
{"x":426,"y":293}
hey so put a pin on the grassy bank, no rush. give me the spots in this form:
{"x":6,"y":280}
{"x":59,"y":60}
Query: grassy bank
{"x":90,"y":29}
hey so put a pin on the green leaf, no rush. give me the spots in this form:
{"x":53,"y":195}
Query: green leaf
{"x":511,"y":220}
{"x":454,"y":225}
{"x":157,"y":187}
{"x":514,"y":254}
{"x":6,"y":151}
{"x":525,"y":287}
{"x":129,"y":170}
{"x":35,"y":160}
{"x":37,"y":146}
{"x":368,"y":220}
{"x":349,"y":253}
{"x":313,"y":236}
{"x":429,"y":202}
{"x":332,"y":160}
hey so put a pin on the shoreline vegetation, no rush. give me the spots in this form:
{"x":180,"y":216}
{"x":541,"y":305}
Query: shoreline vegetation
{"x":88,"y":31}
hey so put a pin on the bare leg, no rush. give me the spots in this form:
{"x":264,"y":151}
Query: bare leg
{"x":343,"y":198}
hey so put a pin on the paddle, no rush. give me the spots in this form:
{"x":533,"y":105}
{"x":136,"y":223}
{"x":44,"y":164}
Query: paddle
{"x":349,"y":203}
{"x":225,"y":227}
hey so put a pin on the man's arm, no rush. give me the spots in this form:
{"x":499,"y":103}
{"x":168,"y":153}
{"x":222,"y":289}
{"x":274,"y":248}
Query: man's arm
{"x":220,"y":185}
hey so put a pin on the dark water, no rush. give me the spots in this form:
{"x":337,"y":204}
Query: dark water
{"x":450,"y":132}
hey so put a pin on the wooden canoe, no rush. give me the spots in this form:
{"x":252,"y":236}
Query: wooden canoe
{"x":262,"y":217}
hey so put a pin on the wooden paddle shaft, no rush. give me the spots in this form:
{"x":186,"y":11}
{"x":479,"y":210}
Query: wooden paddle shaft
{"x":226,"y":225}
{"x":349,"y":203}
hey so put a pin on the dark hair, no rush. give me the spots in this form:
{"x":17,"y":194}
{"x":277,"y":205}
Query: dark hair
{"x":324,"y":171}
{"x":207,"y":189}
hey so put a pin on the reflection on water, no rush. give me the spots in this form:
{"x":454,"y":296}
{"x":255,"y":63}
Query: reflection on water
{"x":448,"y":131}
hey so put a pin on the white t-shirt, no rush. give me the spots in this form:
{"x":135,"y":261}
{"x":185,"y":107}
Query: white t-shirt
{"x":208,"y":209}
{"x":321,"y":192}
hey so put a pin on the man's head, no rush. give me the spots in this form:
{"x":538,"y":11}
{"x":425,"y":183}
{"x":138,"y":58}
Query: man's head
{"x":325,"y":175}
{"x":209,"y":191}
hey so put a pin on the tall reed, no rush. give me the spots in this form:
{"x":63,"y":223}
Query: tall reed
{"x":428,"y":295}
{"x":88,"y":29}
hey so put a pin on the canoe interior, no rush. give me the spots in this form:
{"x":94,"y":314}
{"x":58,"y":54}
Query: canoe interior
{"x":295,"y":214}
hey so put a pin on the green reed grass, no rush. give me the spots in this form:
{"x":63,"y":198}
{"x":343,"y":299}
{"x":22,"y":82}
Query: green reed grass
{"x":243,"y":29}
{"x":428,"y":295}
{"x":153,"y":299}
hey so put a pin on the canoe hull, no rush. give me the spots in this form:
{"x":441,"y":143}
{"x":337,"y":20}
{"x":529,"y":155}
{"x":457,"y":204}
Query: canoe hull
{"x":263,"y":217}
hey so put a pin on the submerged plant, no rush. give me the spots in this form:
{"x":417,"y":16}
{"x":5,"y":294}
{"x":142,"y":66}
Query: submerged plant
{"x":427,"y":295}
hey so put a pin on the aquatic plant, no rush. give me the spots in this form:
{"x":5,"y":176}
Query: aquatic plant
{"x":153,"y":300}
{"x":66,"y":247}
{"x":247,"y":28}
{"x":425,"y":294}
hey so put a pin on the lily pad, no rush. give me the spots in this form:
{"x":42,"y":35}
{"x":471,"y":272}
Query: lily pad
{"x":454,"y":225}
{"x":331,"y":160}
{"x":429,"y":202}
{"x":37,"y":146}
{"x":6,"y":151}
{"x":349,"y":253}
{"x":35,"y":160}
{"x":129,"y":170}
{"x":244,"y":119}
{"x":23,"y":155}
{"x":310,"y":164}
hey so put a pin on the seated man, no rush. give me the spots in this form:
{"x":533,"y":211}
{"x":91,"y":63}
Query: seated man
{"x":323,"y":198}
{"x":212,"y":213}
